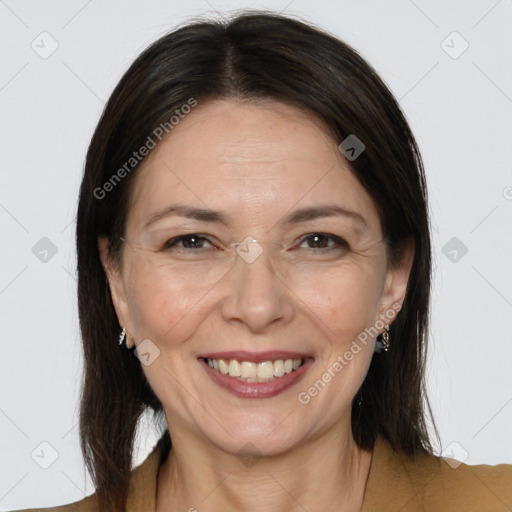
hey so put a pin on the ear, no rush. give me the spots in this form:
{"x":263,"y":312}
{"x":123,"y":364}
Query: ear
{"x":397,"y":277}
{"x":116,"y":284}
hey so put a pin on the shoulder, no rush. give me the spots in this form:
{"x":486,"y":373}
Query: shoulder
{"x":142,"y":489}
{"x":88,"y":504}
{"x":449,"y":483}
{"x":424,"y":482}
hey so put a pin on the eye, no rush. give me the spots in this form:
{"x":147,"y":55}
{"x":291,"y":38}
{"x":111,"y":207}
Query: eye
{"x":190,"y":242}
{"x":323,"y":241}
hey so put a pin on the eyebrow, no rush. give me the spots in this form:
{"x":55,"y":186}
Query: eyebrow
{"x":295,"y":217}
{"x":201,"y":214}
{"x":306,"y":214}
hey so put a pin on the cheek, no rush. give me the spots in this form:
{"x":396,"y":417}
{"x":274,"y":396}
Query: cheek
{"x":162,"y":307}
{"x":348,"y":299}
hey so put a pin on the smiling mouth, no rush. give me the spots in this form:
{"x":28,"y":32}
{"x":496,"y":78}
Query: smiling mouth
{"x":248,"y":371}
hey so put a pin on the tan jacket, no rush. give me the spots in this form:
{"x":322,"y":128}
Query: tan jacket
{"x":396,"y":483}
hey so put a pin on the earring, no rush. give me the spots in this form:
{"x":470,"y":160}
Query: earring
{"x":382,"y":344}
{"x":122,"y":338}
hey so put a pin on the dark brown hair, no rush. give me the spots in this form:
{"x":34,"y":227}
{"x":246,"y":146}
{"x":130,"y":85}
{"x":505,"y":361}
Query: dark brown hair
{"x":254,"y":56}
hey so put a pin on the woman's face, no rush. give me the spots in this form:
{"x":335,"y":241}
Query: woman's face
{"x":316,"y":278}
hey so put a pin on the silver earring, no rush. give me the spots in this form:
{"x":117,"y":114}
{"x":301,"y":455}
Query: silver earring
{"x":122,"y":338}
{"x":382,"y":344}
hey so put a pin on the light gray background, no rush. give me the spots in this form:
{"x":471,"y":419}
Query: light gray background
{"x":459,"y":109}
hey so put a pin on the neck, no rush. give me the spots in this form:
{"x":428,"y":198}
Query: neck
{"x":328,"y":474}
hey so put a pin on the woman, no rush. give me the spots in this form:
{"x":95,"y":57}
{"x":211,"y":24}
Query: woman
{"x":253,"y":230}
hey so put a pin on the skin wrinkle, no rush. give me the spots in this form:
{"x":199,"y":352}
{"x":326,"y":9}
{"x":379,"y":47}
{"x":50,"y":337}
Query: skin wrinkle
{"x":255,"y":307}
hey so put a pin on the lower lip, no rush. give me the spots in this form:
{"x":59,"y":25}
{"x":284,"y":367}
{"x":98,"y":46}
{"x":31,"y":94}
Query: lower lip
{"x":257,"y":389}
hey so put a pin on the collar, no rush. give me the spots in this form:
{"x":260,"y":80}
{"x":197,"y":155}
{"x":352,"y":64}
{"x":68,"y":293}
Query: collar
{"x":385,"y":467}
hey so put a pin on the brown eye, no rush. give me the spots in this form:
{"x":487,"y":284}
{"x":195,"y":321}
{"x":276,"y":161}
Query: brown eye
{"x":318,"y":241}
{"x":323,"y":241}
{"x":192,"y":241}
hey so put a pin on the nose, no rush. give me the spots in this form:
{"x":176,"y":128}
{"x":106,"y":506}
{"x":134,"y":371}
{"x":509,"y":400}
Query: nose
{"x":257,"y":297}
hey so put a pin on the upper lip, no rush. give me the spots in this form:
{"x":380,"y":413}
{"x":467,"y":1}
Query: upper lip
{"x":255,"y":357}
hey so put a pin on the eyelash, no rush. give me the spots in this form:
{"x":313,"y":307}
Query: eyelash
{"x":176,"y":240}
{"x":339,"y":242}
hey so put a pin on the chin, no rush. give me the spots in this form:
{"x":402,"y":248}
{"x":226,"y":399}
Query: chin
{"x":266,"y":439}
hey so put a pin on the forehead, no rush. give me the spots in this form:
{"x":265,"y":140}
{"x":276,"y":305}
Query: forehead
{"x":255,"y":158}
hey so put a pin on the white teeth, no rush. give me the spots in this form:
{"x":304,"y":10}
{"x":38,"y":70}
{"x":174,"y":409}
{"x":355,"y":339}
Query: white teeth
{"x":248,"y":371}
{"x":265,"y":370}
{"x":223,"y":367}
{"x":234,"y":368}
{"x":279,"y":368}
